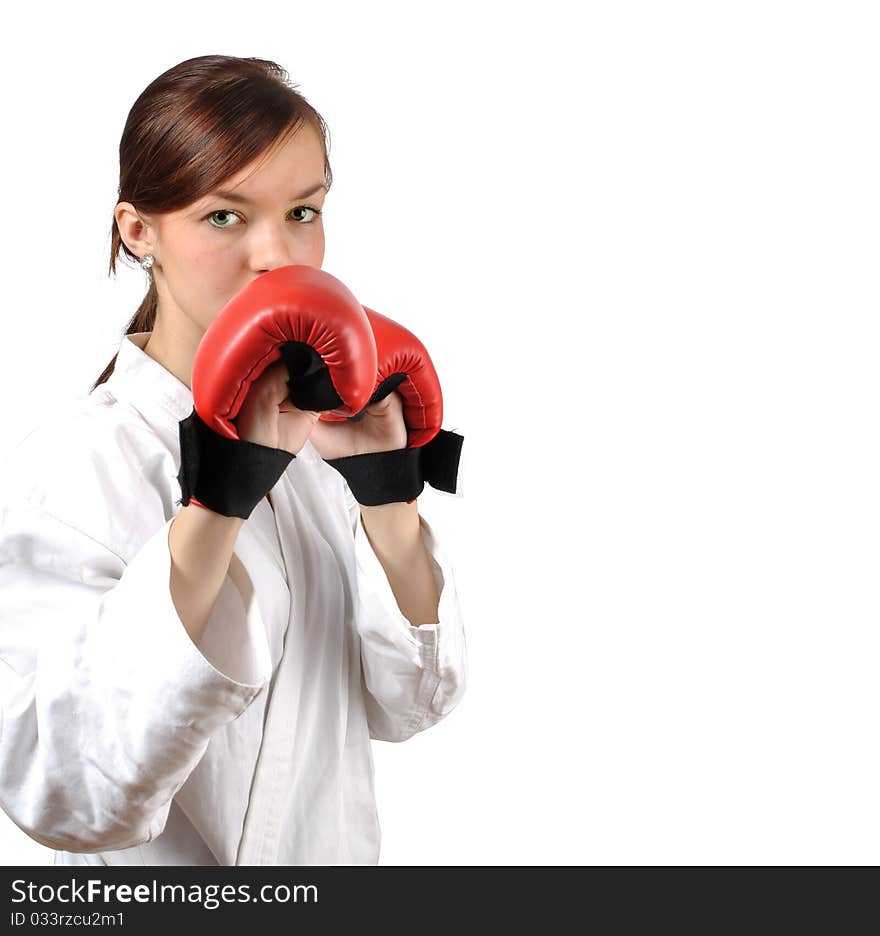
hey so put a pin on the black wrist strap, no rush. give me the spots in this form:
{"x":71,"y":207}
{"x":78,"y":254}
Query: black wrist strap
{"x":388,"y":477}
{"x":229,"y":476}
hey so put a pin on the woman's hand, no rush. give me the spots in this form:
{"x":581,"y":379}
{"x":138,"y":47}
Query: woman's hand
{"x":382,"y":429}
{"x":267,"y":416}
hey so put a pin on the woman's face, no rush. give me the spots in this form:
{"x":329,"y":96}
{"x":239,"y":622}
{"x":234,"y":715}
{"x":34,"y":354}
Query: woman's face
{"x":206,"y":253}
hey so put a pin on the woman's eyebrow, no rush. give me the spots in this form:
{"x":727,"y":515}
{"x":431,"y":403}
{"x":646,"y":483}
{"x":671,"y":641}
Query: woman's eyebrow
{"x":233,"y":196}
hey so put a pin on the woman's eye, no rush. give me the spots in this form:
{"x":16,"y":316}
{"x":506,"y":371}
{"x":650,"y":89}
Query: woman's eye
{"x":226,"y":214}
{"x":315,"y":212}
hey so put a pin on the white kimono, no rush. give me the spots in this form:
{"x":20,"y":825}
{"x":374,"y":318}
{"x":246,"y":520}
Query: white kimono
{"x":121,"y":741}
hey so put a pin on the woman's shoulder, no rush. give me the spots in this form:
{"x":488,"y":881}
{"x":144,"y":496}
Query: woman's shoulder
{"x":96,"y":464}
{"x":86,"y":432}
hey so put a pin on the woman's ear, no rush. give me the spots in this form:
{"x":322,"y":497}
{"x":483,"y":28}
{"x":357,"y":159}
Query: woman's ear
{"x":134,"y":229}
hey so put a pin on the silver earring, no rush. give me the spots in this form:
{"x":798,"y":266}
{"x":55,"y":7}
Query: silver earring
{"x":147,"y":262}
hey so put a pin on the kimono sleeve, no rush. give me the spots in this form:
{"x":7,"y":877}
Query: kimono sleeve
{"x":413,"y":675}
{"x":107,"y":704}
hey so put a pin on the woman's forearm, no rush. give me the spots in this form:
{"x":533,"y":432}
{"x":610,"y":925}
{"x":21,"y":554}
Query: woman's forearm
{"x":201,"y":544}
{"x":395,"y":535}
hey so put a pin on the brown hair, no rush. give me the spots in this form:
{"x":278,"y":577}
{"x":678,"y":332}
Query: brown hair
{"x":194,"y":126}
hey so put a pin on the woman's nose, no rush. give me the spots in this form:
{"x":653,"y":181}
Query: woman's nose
{"x":274,"y":247}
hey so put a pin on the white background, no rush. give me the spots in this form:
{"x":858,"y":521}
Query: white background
{"x":640,"y":241}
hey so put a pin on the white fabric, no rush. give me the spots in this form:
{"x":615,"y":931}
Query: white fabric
{"x":121,"y":742}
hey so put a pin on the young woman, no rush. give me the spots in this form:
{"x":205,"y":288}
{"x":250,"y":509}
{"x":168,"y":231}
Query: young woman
{"x":179,"y":686}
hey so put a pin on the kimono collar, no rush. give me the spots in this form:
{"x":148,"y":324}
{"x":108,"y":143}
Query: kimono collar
{"x":142,"y":381}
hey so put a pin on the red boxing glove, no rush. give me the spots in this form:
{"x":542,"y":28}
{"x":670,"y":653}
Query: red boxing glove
{"x":302,"y":314}
{"x":314,"y":323}
{"x":432,"y":454}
